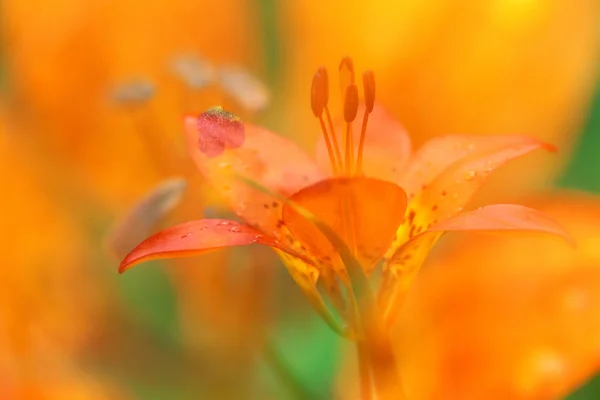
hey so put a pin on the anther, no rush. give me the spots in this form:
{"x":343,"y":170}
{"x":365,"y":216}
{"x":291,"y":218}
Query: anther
{"x":350,"y":110}
{"x":351,"y":103}
{"x":319,"y":95}
{"x":243,"y":87}
{"x":369,"y":87}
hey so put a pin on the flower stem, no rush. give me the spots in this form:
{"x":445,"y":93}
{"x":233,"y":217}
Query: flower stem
{"x":364,"y":369}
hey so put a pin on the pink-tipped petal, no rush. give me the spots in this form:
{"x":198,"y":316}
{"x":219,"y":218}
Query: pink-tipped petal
{"x":194,"y":238}
{"x":263,"y":157}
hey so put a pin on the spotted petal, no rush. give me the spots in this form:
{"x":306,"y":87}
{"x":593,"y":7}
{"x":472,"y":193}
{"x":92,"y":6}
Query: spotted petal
{"x":402,"y":267}
{"x":195,"y":238}
{"x":261,"y":156}
{"x":447,"y":171}
{"x":387,"y":145}
{"x":364,"y":212}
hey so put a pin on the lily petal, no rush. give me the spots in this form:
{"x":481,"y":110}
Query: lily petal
{"x":387,"y":147}
{"x":262,"y":157}
{"x":403,"y":266}
{"x":364,"y":212}
{"x":447,"y":171}
{"x":195,"y":238}
{"x":499,"y":317}
{"x":503,"y":217}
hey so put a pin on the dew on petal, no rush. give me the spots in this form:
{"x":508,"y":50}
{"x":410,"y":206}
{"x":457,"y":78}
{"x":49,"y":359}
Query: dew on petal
{"x":470,"y":175}
{"x":219,"y":130}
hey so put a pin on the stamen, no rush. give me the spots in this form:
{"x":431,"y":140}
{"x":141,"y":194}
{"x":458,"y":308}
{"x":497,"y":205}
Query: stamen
{"x":350,"y":110}
{"x":319,"y":96}
{"x":336,"y":146}
{"x":369,"y":87}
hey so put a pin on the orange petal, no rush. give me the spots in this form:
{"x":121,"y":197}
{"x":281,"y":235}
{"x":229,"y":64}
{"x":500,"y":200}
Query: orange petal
{"x":503,"y":317}
{"x":145,"y":216}
{"x":262,"y":157}
{"x":387,"y":145}
{"x":365,"y":212}
{"x":503,"y":217}
{"x":447,"y":171}
{"x":194,"y":238}
{"x":405,"y":263}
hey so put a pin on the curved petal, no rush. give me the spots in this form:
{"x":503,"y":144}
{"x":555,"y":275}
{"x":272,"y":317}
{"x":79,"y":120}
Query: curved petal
{"x":145,"y":216}
{"x":194,"y":238}
{"x":447,"y":171}
{"x":503,"y":217}
{"x":387,"y":145}
{"x":521,"y":318}
{"x":364,"y":212}
{"x":403,"y":266}
{"x":225,"y":150}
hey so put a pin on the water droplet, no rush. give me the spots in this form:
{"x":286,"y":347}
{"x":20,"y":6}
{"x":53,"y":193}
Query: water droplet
{"x":470,"y":175}
{"x":186,"y":235}
{"x":202,"y":228}
{"x":234,"y":229}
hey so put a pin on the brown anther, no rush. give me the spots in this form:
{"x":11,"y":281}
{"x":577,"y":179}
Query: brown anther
{"x":319,"y":95}
{"x":369,"y":87}
{"x":351,"y":103}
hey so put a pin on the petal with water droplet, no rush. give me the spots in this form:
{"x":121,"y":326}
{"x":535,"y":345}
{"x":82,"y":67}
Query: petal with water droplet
{"x":264,"y":158}
{"x":195,"y":238}
{"x":447,"y":171}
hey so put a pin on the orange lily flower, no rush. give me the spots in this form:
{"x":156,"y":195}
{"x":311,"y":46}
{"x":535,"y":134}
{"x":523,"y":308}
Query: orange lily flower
{"x":400,"y":203}
{"x":371,"y":199}
{"x":473,"y":67}
{"x":504,"y":318}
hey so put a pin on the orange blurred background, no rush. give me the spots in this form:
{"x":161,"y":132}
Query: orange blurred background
{"x":92,"y":95}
